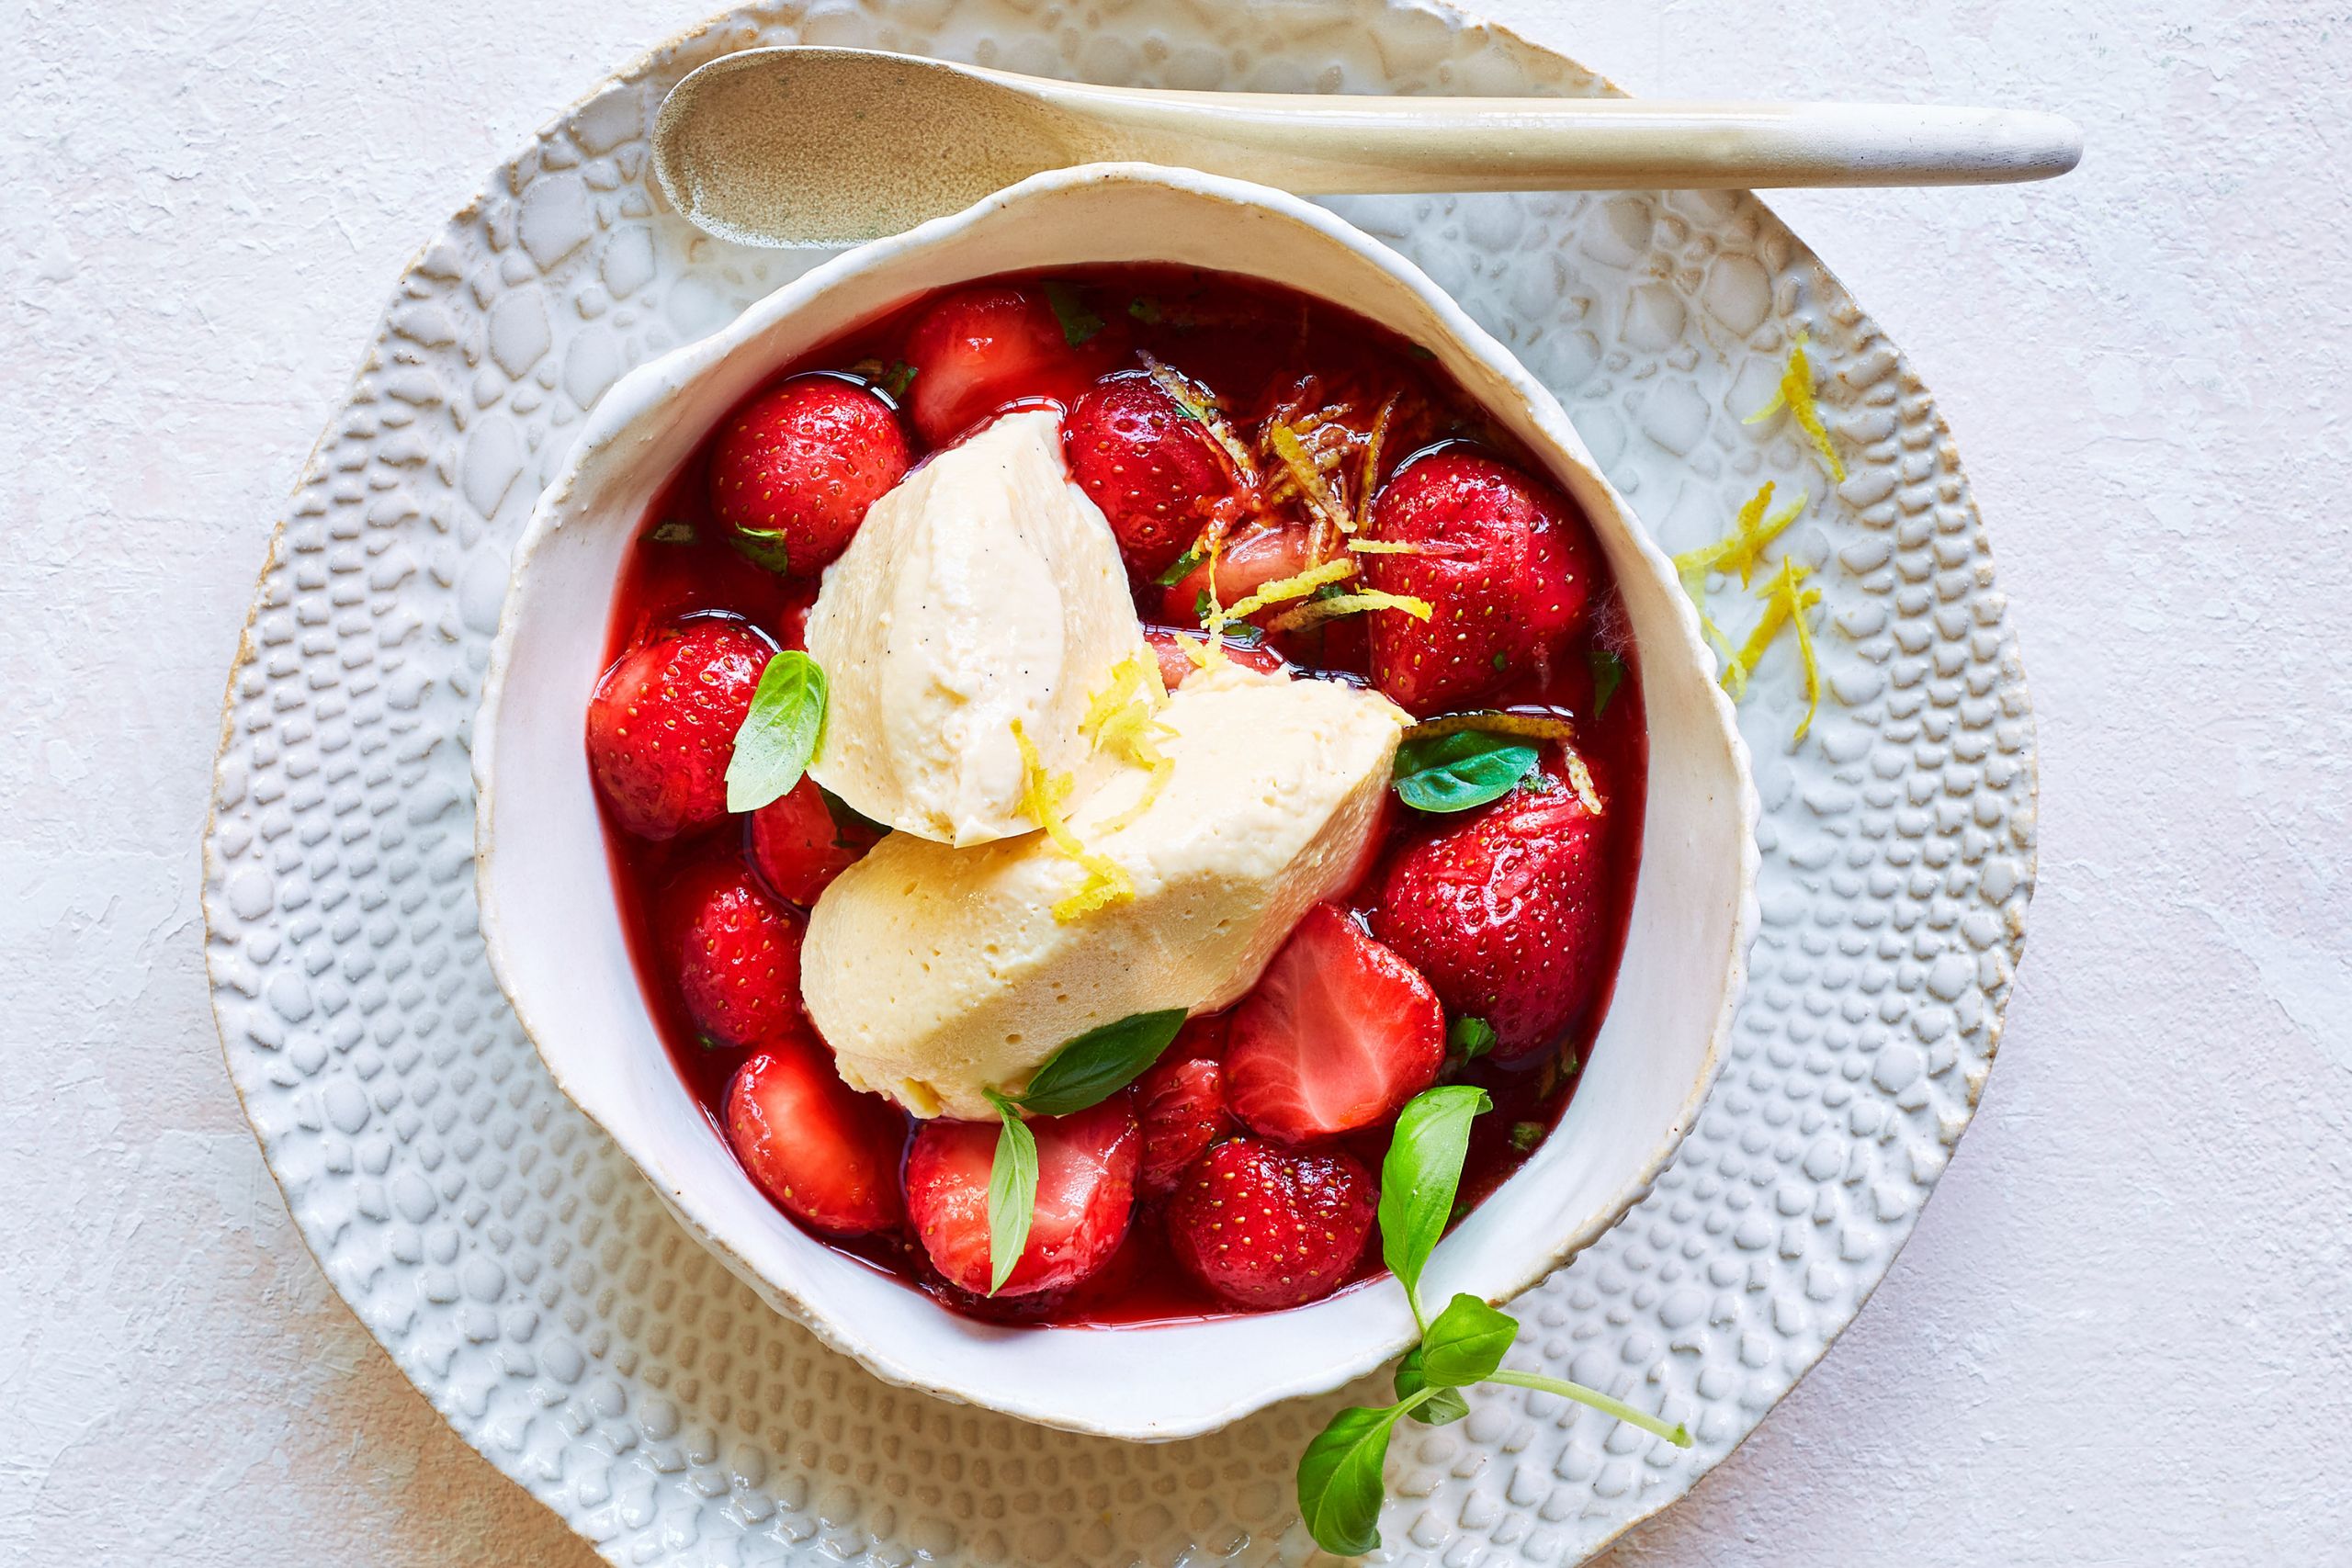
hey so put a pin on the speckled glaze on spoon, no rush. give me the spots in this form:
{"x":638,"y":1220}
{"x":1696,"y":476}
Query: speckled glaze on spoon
{"x":809,"y":146}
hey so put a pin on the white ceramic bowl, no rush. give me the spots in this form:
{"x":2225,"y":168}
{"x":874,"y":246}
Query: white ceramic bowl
{"x":554,"y":935}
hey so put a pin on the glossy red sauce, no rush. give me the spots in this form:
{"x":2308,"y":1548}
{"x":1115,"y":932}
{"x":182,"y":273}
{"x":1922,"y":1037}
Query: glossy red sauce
{"x":1248,"y":342}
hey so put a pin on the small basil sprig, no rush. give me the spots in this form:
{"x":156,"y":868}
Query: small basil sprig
{"x":1084,"y":1071}
{"x":1461,"y":769}
{"x":1608,"y":674}
{"x":764,"y":548}
{"x":1078,"y":324}
{"x":779,"y":737}
{"x":1339,"y":1476}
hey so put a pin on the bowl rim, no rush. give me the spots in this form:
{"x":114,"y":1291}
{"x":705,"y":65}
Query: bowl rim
{"x":641,"y":392}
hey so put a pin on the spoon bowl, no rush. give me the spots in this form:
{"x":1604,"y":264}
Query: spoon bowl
{"x":814,"y":146}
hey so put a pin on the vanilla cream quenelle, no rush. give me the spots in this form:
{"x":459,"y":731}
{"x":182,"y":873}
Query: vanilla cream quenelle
{"x":984,"y":588}
{"x":934,"y":972}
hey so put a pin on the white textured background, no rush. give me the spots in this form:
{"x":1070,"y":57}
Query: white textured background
{"x":2123,"y":1333}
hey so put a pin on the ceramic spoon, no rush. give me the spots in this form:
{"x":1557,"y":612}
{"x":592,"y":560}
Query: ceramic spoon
{"x":832,"y":146}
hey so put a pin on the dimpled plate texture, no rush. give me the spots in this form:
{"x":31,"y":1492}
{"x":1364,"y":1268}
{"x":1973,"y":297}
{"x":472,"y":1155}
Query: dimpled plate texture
{"x":525,"y":1277}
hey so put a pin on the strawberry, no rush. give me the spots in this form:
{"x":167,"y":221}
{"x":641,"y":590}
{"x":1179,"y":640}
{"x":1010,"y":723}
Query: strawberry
{"x":1339,"y":1034}
{"x":797,"y":469}
{"x":1181,"y":1103}
{"x":982,"y":347}
{"x":825,"y":1152}
{"x":661,"y":726}
{"x":1248,"y":563}
{"x":1168,"y":646}
{"x":1505,"y":916}
{"x":1150,"y":467}
{"x":799,"y":844}
{"x":1265,"y":1228}
{"x":1510,"y":574}
{"x":738,"y":962}
{"x":1086,"y":1180}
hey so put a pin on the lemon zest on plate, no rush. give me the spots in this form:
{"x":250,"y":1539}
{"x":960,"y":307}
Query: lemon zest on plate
{"x":1785,"y":599}
{"x":1106,"y":882}
{"x":1741,"y":549}
{"x":1315,"y":612}
{"x":1794,"y":393}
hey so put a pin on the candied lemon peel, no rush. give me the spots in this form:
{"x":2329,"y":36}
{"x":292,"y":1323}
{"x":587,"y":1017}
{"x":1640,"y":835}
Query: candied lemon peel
{"x":1043,"y":793}
{"x":1794,"y":393}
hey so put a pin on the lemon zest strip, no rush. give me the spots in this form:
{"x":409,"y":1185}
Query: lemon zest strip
{"x":1795,"y":394}
{"x":1388,"y":547}
{"x":1784,"y":599}
{"x":1106,"y":882}
{"x":1316,"y":611}
{"x":1297,"y":586}
{"x":1308,"y":476}
{"x":1119,"y":721}
{"x":1370,"y":471}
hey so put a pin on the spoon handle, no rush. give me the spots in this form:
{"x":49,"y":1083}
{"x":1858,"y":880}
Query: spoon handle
{"x":1317,"y":144}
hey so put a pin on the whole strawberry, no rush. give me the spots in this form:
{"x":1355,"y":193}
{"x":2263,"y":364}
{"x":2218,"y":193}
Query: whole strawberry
{"x":1266,"y":1228}
{"x":799,"y":843}
{"x":1503,"y":915}
{"x":1181,"y":1104}
{"x":794,"y":473}
{"x":739,"y":963}
{"x":661,"y":726}
{"x":1152,"y":468}
{"x":1505,"y":562}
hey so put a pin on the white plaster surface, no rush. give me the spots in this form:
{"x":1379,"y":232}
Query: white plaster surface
{"x":2122,"y":1333}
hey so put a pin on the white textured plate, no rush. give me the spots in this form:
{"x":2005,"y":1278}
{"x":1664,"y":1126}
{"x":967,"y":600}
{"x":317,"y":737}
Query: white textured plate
{"x":521,"y":1272}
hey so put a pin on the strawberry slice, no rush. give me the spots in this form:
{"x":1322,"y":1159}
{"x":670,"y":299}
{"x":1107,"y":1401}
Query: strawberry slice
{"x":823,"y":1152}
{"x":1246,"y":563}
{"x":1268,"y":1228}
{"x":1506,"y":915}
{"x":738,"y":962}
{"x":981,"y":348}
{"x":1182,"y":1106}
{"x":1509,"y":573}
{"x":1167,"y":644}
{"x":1152,"y":468}
{"x":799,"y":846}
{"x":1086,"y":1182}
{"x":797,"y":469}
{"x":661,"y":726}
{"x":1339,"y":1034}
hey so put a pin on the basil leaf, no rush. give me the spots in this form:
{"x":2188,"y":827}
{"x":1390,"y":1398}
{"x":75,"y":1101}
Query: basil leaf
{"x":1608,"y":674}
{"x":898,"y":378}
{"x":1340,"y":1482}
{"x":1467,"y":1038}
{"x":1144,"y":309}
{"x":1465,"y":1343}
{"x":673,"y":533}
{"x":1462,"y":769}
{"x":1446,"y":1404}
{"x":779,"y":737}
{"x":1078,"y":324}
{"x":1095,"y":1066}
{"x":1012,"y":1193}
{"x":1525,"y":1135}
{"x":1419,"y":1178}
{"x":764,"y":548}
{"x":1181,"y":570}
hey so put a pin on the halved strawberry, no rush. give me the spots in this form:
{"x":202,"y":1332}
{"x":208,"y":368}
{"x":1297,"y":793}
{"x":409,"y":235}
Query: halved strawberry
{"x":1509,"y":573}
{"x":982,"y":347}
{"x":797,"y":469}
{"x":738,"y":962}
{"x":1504,"y":914}
{"x":661,"y":726}
{"x":1167,"y":644}
{"x":1181,"y":1103}
{"x":1266,"y":1227}
{"x":1086,"y":1181}
{"x":1248,"y":563}
{"x":817,"y":1147}
{"x":799,"y":846}
{"x":1152,"y":468}
{"x":1339,"y":1034}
